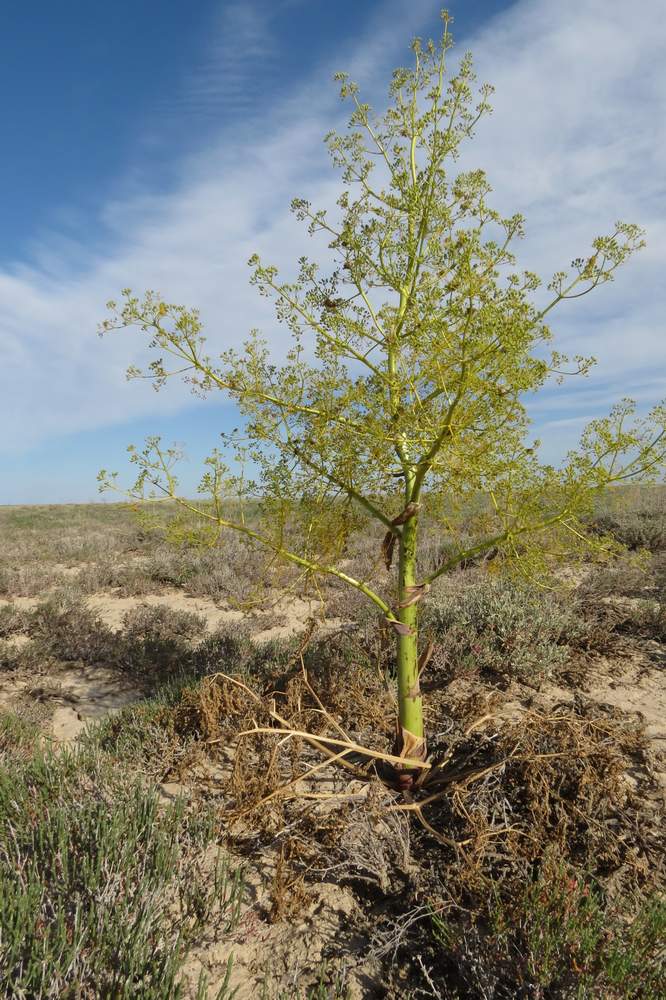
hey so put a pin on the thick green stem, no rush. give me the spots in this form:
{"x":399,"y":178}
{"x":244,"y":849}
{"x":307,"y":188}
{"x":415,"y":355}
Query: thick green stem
{"x":410,"y":703}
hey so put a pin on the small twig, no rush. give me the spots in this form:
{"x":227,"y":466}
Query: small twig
{"x":356,"y":747}
{"x":294,"y":781}
{"x":316,"y":697}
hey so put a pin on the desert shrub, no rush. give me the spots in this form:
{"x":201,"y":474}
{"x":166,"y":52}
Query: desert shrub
{"x":141,"y":736}
{"x":500,"y":629}
{"x":599,"y":632}
{"x":100,"y":888}
{"x":557,"y":938}
{"x":136,"y":582}
{"x":646,"y":620}
{"x":158,"y":734}
{"x":436,"y":548}
{"x":156,"y":642}
{"x":636,"y":529}
{"x":625,"y":577}
{"x":159,"y":622}
{"x":225,"y":649}
{"x":106,"y":574}
{"x":162,"y":622}
{"x":64,"y":628}
{"x":604,"y":625}
{"x":12,"y":620}
{"x":546,"y":880}
{"x":232,"y":569}
{"x":658,"y":571}
{"x":344,"y":602}
{"x":173,"y":567}
{"x":26,"y":579}
{"x":232,"y":651}
{"x":364,"y":659}
{"x":19,"y":659}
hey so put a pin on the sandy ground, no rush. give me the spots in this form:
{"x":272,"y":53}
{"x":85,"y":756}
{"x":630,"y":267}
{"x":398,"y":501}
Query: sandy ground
{"x":262,"y":951}
{"x":79,"y":695}
{"x":74,"y":696}
{"x":287,"y":614}
{"x":83,"y":694}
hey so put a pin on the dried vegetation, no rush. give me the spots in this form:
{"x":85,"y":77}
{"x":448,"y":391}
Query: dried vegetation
{"x":528,"y":862}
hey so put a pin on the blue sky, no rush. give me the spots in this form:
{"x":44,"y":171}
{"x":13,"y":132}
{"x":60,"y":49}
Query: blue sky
{"x":158,"y":145}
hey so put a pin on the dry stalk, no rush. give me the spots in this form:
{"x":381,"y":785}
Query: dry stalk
{"x":294,"y":781}
{"x":352,"y":747}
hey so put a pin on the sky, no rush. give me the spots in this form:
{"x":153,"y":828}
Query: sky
{"x":157,"y":145}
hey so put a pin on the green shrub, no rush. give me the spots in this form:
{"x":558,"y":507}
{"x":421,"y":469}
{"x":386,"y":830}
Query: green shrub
{"x":64,"y":628}
{"x":647,"y":620}
{"x":502,"y":629}
{"x":147,"y":623}
{"x":100,"y":888}
{"x":624,"y":577}
{"x":157,"y":642}
{"x":140,"y":736}
{"x":637,"y":529}
{"x":18,"y":736}
{"x":12,"y":620}
{"x":559,"y":940}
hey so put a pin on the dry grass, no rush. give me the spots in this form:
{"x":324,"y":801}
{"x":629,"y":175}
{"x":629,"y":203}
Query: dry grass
{"x":533,"y":847}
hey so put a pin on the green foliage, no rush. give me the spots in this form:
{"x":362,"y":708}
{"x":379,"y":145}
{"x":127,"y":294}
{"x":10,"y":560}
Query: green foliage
{"x":17,"y":735}
{"x":501,"y":628}
{"x":413,"y":351}
{"x":100,"y":887}
{"x":560,"y":940}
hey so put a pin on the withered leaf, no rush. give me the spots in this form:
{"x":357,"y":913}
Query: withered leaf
{"x":404,"y":515}
{"x":413,"y":747}
{"x":426,"y":656}
{"x":399,"y":627}
{"x":388,"y":546}
{"x":414,"y":594}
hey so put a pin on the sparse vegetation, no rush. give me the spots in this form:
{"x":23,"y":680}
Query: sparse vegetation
{"x":401,"y":398}
{"x":539,"y":873}
{"x":502,"y":630}
{"x":101,"y":890}
{"x":559,"y":937}
{"x":205,"y":794}
{"x":640,"y":525}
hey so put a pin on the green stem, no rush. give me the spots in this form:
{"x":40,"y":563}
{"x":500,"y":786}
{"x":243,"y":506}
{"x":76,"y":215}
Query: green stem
{"x":410,"y":702}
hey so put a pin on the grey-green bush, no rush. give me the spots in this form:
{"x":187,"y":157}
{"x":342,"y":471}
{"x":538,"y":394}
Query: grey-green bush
{"x":100,"y":888}
{"x":500,"y":628}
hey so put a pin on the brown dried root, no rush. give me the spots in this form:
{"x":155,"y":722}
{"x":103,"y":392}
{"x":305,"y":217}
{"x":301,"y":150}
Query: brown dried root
{"x":579,"y":782}
{"x":320,"y":742}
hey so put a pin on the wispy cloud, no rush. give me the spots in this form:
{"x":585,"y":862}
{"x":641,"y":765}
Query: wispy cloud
{"x":193,"y":244}
{"x":577,"y":140}
{"x":239,"y":58}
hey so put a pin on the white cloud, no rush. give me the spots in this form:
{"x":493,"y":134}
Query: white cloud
{"x":577,"y":140}
{"x":227,"y":79}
